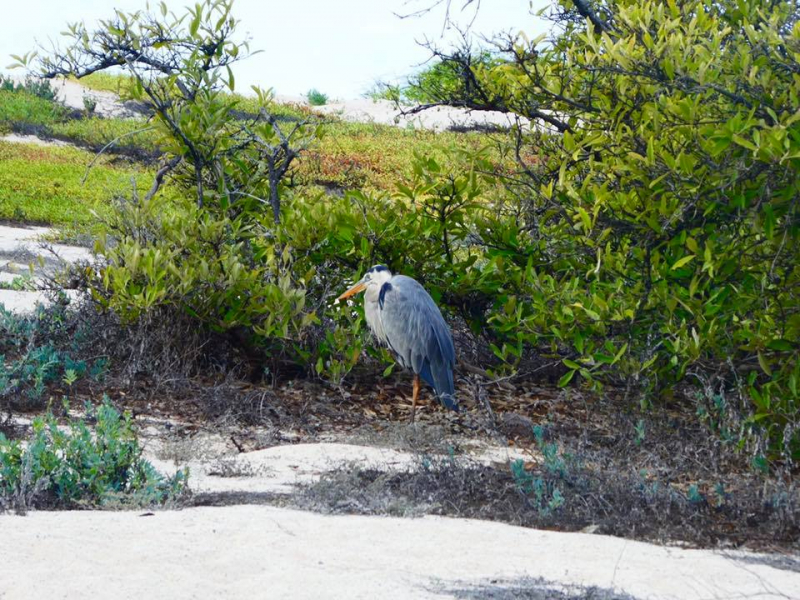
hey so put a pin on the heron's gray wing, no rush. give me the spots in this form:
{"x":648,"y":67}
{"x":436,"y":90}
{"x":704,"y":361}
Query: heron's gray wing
{"x":414,"y":329}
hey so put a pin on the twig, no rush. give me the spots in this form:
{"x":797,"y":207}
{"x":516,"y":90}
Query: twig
{"x":478,"y":371}
{"x":174,"y":162}
{"x":107,"y":146}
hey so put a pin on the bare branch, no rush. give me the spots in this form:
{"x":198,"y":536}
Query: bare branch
{"x":107,"y":146}
{"x":162,"y":172}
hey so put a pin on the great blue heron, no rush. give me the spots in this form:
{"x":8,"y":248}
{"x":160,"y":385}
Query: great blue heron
{"x":402,"y":315}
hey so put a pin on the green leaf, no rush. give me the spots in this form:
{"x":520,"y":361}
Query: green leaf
{"x":682,"y":261}
{"x":195,"y":25}
{"x":743,"y":142}
{"x":764,"y":364}
{"x":591,"y":314}
{"x":566,"y":378}
{"x":760,"y":464}
{"x":585,"y":219}
{"x":780,"y":345}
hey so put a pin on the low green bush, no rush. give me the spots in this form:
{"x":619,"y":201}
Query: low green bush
{"x":78,"y":465}
{"x":38,"y":350}
{"x":24,"y":107}
{"x":39,"y":88}
{"x":216,"y":269}
{"x":316,"y":98}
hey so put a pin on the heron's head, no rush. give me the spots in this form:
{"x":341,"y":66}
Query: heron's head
{"x":377,"y":275}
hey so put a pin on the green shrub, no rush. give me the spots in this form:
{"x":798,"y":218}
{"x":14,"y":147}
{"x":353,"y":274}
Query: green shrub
{"x":216,"y":269}
{"x":23,"y":107}
{"x":446,"y":77}
{"x":657,"y":233}
{"x":89,"y":104}
{"x":22,"y":282}
{"x":39,"y":88}
{"x":443,"y":78}
{"x":316,"y":98}
{"x":38,"y":350}
{"x":545,"y":489}
{"x":386,"y":91}
{"x":81,"y":466}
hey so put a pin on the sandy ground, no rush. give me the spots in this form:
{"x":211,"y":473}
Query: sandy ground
{"x":280,"y":468}
{"x":439,"y":118}
{"x":259,"y":552}
{"x":72,"y":93}
{"x":15,"y":138}
{"x":262,"y":551}
{"x":216,"y":466}
{"x":21,"y":250}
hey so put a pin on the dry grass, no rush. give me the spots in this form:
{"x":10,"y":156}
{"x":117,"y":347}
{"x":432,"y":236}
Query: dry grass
{"x":608,"y":501}
{"x":529,"y":588}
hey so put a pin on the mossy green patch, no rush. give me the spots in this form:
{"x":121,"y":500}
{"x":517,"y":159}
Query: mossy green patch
{"x":127,"y":134}
{"x":45,"y":184}
{"x":377,"y":157}
{"x":116,"y":83}
{"x":22,"y":107}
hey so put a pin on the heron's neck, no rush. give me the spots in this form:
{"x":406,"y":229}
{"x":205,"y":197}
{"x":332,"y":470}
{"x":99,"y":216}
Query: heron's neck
{"x":373,"y":291}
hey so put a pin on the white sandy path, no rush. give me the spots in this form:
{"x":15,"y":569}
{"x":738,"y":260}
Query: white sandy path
{"x":15,"y":138}
{"x":72,"y":93}
{"x":25,"y":240}
{"x":266,"y":552}
{"x":20,"y":247}
{"x":280,"y":468}
{"x":437,"y":118}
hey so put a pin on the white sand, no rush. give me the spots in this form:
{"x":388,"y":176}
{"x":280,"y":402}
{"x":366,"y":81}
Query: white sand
{"x":265,"y":552}
{"x":279,"y":468}
{"x":438,"y":118}
{"x":25,"y":241}
{"x":15,"y":138}
{"x":20,"y":249}
{"x":72,"y":93}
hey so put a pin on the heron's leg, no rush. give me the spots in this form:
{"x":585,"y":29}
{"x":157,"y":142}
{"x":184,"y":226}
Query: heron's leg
{"x":414,"y":396}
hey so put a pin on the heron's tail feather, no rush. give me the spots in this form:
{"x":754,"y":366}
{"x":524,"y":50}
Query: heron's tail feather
{"x":449,"y":401}
{"x":440,"y":377}
{"x":443,"y":384}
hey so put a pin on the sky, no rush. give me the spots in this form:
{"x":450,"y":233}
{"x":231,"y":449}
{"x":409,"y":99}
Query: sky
{"x":340,"y":47}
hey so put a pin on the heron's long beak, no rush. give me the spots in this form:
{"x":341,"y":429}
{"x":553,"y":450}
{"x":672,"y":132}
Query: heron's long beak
{"x":359,"y":287}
